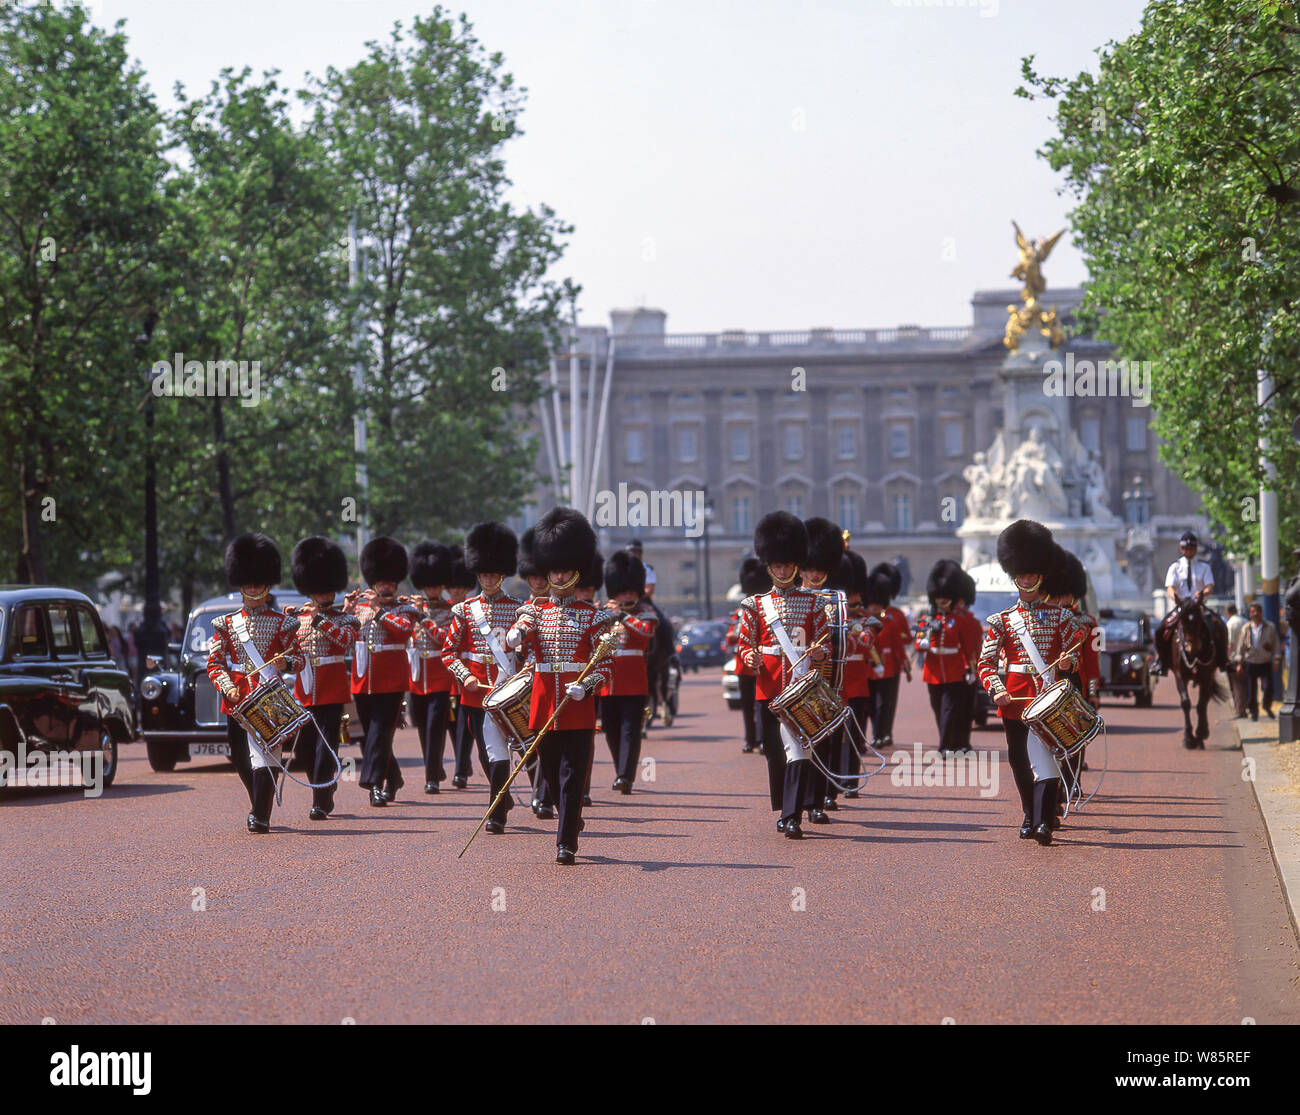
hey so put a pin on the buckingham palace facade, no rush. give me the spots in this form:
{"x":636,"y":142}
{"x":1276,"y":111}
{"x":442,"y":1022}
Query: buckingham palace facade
{"x":869,"y":427}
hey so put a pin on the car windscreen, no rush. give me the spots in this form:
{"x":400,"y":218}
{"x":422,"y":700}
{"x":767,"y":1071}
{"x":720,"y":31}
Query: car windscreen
{"x":1119,"y":631}
{"x":199,"y":633}
{"x":990,"y":603}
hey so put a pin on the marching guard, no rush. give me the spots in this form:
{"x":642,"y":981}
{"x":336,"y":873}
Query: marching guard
{"x":474,"y":651}
{"x":543,"y":803}
{"x":241,"y":660}
{"x":460,"y":582}
{"x":850,"y":739}
{"x":826,"y":546}
{"x":623,"y":699}
{"x":884,"y":583}
{"x":753,"y":580}
{"x":430,"y":696}
{"x":380,"y":671}
{"x":559,"y":635}
{"x":773,"y":626}
{"x":326,"y":634}
{"x":950,"y":639}
{"x":1067,"y":586}
{"x":1036,"y":638}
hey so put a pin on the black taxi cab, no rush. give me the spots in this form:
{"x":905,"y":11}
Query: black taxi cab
{"x":60,"y":690}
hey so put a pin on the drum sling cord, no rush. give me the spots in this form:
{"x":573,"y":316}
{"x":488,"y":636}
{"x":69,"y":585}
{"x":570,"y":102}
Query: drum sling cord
{"x":842,"y":782}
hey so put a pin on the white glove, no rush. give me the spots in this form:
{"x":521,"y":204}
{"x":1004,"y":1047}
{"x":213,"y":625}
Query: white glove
{"x":575,"y":691}
{"x":514,"y":637}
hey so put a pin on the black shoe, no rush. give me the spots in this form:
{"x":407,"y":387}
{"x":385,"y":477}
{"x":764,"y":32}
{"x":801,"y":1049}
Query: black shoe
{"x":818,"y":817}
{"x":780,"y":824}
{"x":545,"y":813}
{"x":586,"y":799}
{"x":793,"y":831}
{"x":318,"y":813}
{"x":622,"y":785}
{"x":389,"y":793}
{"x":496,"y":828}
{"x":748,"y":749}
{"x":459,"y":782}
{"x":565,"y":856}
{"x":256,"y":826}
{"x":1043,"y":834}
{"x":1027,"y":828}
{"x":851,"y":795}
{"x":830,"y":804}
{"x":431,"y":787}
{"x":377,"y":796}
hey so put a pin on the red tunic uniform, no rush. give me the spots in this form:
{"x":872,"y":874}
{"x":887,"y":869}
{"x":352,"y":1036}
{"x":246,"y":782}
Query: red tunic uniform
{"x":1089,"y":663}
{"x":733,"y":644}
{"x":465,"y":650}
{"x":559,"y":638}
{"x":891,"y":644}
{"x":635,"y":632}
{"x":1052,"y":630}
{"x":804,"y":621}
{"x":325,"y":643}
{"x":428,"y":673}
{"x":379,"y":658}
{"x":858,"y":648}
{"x":953,"y":652}
{"x":229,"y":665}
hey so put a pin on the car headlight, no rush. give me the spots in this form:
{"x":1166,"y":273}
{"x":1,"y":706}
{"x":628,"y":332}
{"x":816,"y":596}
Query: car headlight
{"x":151,"y":689}
{"x":1132,"y":662}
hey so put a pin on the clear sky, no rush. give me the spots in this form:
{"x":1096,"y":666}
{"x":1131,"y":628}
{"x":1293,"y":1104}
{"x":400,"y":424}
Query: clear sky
{"x":750,"y":164}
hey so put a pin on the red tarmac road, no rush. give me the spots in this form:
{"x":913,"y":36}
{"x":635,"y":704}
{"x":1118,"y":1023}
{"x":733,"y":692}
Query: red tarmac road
{"x":920,"y":903}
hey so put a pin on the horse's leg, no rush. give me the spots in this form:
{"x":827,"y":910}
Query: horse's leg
{"x":1205,"y":690}
{"x":1185,"y":702}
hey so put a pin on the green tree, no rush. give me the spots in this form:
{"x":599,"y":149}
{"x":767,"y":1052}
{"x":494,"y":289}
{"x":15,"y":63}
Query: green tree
{"x":1183,"y":152}
{"x":455,"y":284}
{"x":81,"y":208}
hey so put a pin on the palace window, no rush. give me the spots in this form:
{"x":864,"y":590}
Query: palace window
{"x":740,"y":515}
{"x":794,"y":504}
{"x":793,"y":442}
{"x":686,"y":443}
{"x":635,"y":446}
{"x":848,"y":512}
{"x":1137,"y":433}
{"x":900,"y":440}
{"x":846,"y":443}
{"x":1090,"y":433}
{"x":740,"y":443}
{"x":900,"y":505}
{"x":952,"y":439}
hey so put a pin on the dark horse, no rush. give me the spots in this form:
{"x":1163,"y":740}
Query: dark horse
{"x":1193,"y":658}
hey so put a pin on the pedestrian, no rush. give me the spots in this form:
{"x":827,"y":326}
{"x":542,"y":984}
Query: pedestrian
{"x":1259,"y":649}
{"x":623,"y":700}
{"x":117,"y":647}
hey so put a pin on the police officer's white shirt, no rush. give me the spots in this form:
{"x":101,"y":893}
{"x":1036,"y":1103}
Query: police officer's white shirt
{"x":650,"y":577}
{"x":1179,"y":577}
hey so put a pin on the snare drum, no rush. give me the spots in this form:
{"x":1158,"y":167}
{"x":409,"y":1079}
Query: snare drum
{"x":809,"y":707}
{"x":509,"y":705}
{"x":1063,"y":718}
{"x":270,"y":714}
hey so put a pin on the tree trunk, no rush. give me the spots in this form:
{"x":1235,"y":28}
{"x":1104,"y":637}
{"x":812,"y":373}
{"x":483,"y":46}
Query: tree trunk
{"x":31,"y":558}
{"x":223,"y":470}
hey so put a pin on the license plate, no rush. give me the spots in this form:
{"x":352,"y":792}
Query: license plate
{"x":209,"y":749}
{"x":700,"y":646}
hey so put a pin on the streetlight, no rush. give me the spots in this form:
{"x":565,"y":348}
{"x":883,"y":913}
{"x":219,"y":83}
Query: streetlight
{"x":153,"y":636}
{"x":708,"y":589}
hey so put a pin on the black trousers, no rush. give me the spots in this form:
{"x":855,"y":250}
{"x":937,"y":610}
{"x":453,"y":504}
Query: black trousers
{"x":621,"y":718}
{"x":259,"y":784}
{"x":1038,"y":800}
{"x":1257,"y":672}
{"x":317,"y":746}
{"x":884,"y":703}
{"x":462,"y":742}
{"x":378,"y":713}
{"x":748,"y":714}
{"x":849,"y":740}
{"x":816,"y":787}
{"x":951,"y":702}
{"x":787,"y":783}
{"x":497,"y":772}
{"x":430,"y":711}
{"x":566,"y":756}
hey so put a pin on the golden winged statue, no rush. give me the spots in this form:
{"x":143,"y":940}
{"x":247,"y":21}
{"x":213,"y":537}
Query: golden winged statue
{"x":1030,"y":271}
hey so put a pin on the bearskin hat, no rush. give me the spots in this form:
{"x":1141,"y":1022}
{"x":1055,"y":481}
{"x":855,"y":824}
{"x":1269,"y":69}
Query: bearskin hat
{"x":781,"y":538}
{"x":893,"y":573}
{"x":1025,"y":547}
{"x":564,"y":540}
{"x":857,"y":579}
{"x":383,"y":559}
{"x":252,"y":559}
{"x":318,"y":565}
{"x":1066,"y":577}
{"x":945,"y":580}
{"x":527,"y":561}
{"x":459,"y":576}
{"x":594,"y":577}
{"x":968,"y":590}
{"x":880,"y":589}
{"x":825,"y":545}
{"x":624,"y":572}
{"x":491,"y":548}
{"x":753,"y":577}
{"x":430,"y":564}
